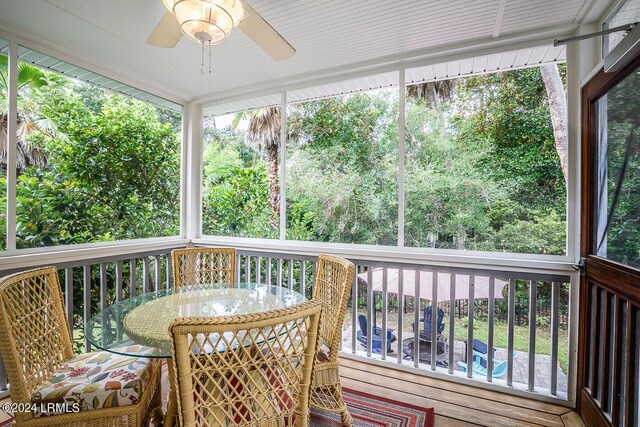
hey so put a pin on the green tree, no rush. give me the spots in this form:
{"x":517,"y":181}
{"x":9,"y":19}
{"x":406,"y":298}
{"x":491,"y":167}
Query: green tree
{"x":112,"y":175}
{"x":264,"y":132}
{"x":342,"y":168}
{"x":30,"y":120}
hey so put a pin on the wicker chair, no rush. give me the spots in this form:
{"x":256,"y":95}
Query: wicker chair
{"x":332,"y":287}
{"x":203,"y":266}
{"x":245,"y":370}
{"x":36,"y":346}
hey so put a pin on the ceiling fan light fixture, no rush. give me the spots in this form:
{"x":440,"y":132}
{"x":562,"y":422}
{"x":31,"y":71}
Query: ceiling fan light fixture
{"x":206,"y":21}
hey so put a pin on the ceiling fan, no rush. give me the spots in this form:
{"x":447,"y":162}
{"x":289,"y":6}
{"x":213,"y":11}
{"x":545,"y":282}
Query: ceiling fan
{"x":209,"y":22}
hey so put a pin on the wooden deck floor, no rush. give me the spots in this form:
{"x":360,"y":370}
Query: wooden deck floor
{"x":454,"y":404}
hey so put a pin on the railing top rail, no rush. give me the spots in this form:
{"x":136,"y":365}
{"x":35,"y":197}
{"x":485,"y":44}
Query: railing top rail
{"x":498,"y":273}
{"x":93,"y":261}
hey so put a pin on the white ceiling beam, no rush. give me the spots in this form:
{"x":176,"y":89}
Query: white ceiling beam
{"x":497,"y":26}
{"x":441,"y":54}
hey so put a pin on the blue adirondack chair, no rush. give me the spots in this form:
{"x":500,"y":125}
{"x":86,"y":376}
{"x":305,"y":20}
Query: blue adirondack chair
{"x":376,"y":338}
{"x":480,"y":364}
{"x":425,"y":333}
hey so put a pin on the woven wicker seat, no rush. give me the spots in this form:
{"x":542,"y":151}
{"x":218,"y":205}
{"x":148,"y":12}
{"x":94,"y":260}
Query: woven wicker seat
{"x":245,"y":370}
{"x":332,"y":287}
{"x":203,"y":266}
{"x":36,"y":347}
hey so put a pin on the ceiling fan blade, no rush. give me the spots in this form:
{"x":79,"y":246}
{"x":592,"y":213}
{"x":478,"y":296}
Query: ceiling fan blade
{"x":167,"y":33}
{"x":264,"y":35}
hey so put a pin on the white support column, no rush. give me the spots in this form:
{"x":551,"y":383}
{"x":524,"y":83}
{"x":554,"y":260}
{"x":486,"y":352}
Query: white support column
{"x":582,"y":58}
{"x":193,"y":171}
{"x":184,"y":153}
{"x":12,"y":128}
{"x":283,"y":167}
{"x":401,"y":155}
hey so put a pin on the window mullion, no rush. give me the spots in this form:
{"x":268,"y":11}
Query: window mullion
{"x":401,"y":149}
{"x":283,"y":168}
{"x":12,"y":129}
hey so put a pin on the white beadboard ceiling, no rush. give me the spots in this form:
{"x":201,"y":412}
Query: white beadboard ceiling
{"x":331,"y":37}
{"x":504,"y":61}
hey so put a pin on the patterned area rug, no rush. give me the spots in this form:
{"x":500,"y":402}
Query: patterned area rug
{"x":366,"y":410}
{"x":373,"y":411}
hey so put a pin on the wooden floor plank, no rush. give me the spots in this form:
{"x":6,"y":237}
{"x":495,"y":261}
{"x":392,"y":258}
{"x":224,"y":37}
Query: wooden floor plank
{"x":456,"y":387}
{"x":455,"y":404}
{"x":572,"y":419}
{"x":446,"y":409}
{"x":442,"y":421}
{"x":451,"y":400}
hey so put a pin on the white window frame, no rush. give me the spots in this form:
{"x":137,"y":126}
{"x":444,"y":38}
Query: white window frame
{"x":452,"y":257}
{"x":13,"y":258}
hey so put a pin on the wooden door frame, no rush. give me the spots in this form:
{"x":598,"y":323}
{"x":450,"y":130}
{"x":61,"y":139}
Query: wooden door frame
{"x":620,"y":283}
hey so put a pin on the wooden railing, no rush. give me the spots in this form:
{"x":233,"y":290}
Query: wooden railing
{"x":610,"y":346}
{"x":393,"y":307}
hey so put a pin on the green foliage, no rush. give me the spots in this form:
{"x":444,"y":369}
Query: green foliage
{"x":512,"y":111}
{"x":342,"y":168}
{"x":111,"y":174}
{"x":482,"y":170}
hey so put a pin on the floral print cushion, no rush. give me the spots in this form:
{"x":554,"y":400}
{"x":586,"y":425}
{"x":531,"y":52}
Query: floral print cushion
{"x":93,"y":381}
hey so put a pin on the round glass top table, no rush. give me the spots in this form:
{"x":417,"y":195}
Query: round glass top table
{"x":139,"y":326}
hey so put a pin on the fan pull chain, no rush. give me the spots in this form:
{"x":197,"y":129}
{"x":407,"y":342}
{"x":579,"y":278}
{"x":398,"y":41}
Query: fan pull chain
{"x":202,"y":60}
{"x":209,"y":57}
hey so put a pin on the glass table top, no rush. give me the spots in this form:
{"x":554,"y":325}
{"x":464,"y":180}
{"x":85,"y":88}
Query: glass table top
{"x":139,"y":326}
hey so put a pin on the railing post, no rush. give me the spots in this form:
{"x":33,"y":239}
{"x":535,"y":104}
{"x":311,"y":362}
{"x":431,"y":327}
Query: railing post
{"x":118,"y":281}
{"x":158,"y":272}
{"x":132,"y":278}
{"x":268,"y":271}
{"x":510,"y":331}
{"x":169,"y":261}
{"x":86,"y":273}
{"x":370,"y":308}
{"x":146,"y":278}
{"x":354,"y":303}
{"x":452,"y":297}
{"x":470,"y":312}
{"x":492,"y":282}
{"x":68,"y":294}
{"x":303,"y":281}
{"x":290,"y":273}
{"x":385,"y":273}
{"x":434,"y":319}
{"x":103,"y":286}
{"x":533,"y":288}
{"x":416,"y":321}
{"x":400,"y":312}
{"x":555,"y":293}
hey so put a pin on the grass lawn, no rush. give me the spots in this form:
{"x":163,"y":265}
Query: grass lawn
{"x":521,"y":337}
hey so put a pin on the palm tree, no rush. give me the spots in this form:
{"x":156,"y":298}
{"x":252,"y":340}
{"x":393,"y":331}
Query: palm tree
{"x":264,"y":132}
{"x":30,"y":79}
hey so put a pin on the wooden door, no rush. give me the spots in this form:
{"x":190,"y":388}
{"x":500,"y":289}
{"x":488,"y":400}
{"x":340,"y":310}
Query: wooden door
{"x":609,"y":340}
